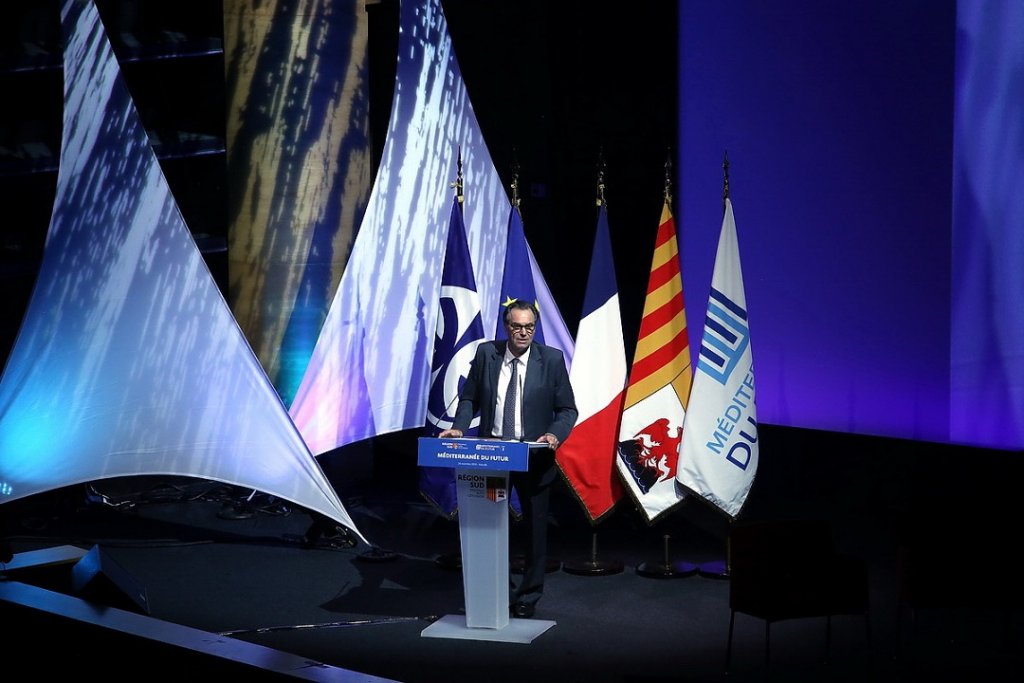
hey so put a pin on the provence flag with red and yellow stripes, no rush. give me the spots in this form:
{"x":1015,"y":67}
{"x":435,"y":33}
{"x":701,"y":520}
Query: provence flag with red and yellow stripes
{"x":651,"y":430}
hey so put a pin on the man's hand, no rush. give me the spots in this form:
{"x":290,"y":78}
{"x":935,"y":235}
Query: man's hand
{"x":550,"y":439}
{"x":450,"y":434}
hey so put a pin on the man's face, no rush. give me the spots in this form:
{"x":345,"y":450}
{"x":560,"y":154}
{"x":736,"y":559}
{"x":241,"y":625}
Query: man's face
{"x":520,"y":328}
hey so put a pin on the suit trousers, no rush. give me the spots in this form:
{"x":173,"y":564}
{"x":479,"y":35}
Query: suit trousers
{"x":534,"y":490}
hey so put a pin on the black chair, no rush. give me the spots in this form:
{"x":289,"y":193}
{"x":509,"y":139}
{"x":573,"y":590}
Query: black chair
{"x":790,"y":569}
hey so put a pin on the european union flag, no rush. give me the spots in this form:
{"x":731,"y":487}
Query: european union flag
{"x":517,"y":279}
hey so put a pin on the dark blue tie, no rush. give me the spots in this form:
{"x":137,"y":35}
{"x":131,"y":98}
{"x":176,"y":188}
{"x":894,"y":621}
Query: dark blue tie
{"x":508,"y":416}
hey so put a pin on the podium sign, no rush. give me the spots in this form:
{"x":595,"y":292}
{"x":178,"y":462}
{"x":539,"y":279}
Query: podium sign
{"x":482,"y":488}
{"x":482,"y":454}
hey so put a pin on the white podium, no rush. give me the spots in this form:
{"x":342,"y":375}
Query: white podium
{"x":482,"y":490}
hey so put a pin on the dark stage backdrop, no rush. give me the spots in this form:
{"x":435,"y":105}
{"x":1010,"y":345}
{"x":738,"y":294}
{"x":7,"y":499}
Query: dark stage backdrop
{"x":880,"y":266}
{"x":875,"y":174}
{"x":838,"y":121}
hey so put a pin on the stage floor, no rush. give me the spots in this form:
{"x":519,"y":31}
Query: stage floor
{"x":250,"y":579}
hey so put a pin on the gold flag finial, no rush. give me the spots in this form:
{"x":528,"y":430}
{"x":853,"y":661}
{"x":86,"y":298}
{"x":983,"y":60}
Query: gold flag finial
{"x":668,"y":176}
{"x":515,"y":180}
{"x":725,"y":179}
{"x":458,"y":178}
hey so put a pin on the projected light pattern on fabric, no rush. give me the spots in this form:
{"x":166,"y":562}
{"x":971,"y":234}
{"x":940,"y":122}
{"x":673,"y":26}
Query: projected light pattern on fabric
{"x":369,"y":372}
{"x":298,"y":169}
{"x":987,"y":352}
{"x":128,"y":361}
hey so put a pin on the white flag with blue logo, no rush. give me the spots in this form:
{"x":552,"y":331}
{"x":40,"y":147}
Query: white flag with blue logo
{"x":719,"y":454}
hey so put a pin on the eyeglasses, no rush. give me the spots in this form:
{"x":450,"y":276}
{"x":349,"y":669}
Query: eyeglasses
{"x":528,"y":328}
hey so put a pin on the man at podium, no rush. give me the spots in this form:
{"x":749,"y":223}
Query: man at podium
{"x":522,"y":392}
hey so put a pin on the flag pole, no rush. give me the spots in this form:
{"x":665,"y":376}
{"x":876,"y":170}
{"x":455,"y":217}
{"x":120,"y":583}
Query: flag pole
{"x":517,"y":563}
{"x":450,"y":561}
{"x":668,"y":177}
{"x":666,"y":568}
{"x":453,"y":561}
{"x":593,"y":566}
{"x":725,"y":179}
{"x":719,"y":569}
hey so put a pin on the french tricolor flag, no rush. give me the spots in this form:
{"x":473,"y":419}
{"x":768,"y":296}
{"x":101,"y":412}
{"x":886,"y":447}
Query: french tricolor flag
{"x":598,"y":378}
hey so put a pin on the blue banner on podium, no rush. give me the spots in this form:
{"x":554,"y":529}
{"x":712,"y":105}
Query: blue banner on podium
{"x":483,"y":454}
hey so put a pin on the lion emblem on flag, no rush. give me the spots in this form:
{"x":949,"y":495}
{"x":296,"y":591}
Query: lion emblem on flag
{"x":652,"y":454}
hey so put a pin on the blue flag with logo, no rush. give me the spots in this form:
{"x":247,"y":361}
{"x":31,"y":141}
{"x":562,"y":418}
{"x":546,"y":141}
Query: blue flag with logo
{"x":458,"y":332}
{"x":517,"y":278}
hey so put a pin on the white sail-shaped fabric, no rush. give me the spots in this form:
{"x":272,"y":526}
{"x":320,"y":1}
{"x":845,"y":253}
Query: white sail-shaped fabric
{"x":128,"y":361}
{"x":369,"y":372}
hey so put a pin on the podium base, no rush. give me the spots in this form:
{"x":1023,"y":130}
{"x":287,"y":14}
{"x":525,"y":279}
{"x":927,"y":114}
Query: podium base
{"x":517,"y":631}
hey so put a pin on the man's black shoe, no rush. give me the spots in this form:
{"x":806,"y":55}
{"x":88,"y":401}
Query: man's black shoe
{"x":523,"y":610}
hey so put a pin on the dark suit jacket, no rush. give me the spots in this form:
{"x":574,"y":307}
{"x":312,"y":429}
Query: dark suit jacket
{"x":549,"y":405}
